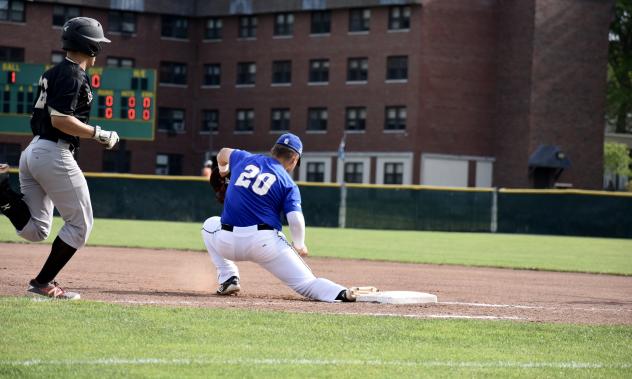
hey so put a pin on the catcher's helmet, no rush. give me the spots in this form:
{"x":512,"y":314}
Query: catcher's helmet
{"x":84,"y":35}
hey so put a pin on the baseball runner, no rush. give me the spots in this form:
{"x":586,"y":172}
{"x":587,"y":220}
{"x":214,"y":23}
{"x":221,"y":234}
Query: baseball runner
{"x":250,"y":226}
{"x":49,"y":174}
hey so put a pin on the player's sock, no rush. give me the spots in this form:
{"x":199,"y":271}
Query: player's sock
{"x":60,"y":254}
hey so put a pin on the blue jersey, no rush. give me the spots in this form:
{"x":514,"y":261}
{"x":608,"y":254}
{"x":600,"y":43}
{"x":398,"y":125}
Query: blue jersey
{"x":259,"y":190}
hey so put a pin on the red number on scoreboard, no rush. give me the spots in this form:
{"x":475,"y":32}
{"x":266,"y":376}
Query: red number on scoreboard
{"x":131,"y":113}
{"x":13,"y":77}
{"x":109,"y":101}
{"x":131,"y":102}
{"x":96,"y":81}
{"x":108,"y":113}
{"x":146,"y":102}
{"x":146,"y":114}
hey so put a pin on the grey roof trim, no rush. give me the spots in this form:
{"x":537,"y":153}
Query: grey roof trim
{"x":206,"y":8}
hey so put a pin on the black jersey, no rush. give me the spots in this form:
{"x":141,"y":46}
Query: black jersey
{"x":65,"y":89}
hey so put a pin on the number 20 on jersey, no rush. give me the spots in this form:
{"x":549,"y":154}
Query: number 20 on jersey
{"x":262,"y":181}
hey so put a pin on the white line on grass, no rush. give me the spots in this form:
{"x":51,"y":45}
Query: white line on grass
{"x":419,"y":316}
{"x":518,"y":306}
{"x":312,"y":362}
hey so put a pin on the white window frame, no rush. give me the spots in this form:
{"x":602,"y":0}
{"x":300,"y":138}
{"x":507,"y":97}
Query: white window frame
{"x":405,"y":158}
{"x":316,"y":158}
{"x":355,"y":158}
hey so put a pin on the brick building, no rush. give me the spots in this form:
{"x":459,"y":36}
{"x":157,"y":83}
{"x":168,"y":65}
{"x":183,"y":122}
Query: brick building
{"x":448,"y":92}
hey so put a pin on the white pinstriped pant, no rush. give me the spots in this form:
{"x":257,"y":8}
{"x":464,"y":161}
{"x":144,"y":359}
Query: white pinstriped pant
{"x":271,"y":250}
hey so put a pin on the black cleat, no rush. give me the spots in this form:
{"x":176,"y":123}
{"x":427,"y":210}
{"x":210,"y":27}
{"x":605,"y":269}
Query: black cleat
{"x":346,"y":296}
{"x":229,"y":287}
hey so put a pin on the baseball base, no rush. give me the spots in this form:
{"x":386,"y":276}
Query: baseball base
{"x":373,"y":295}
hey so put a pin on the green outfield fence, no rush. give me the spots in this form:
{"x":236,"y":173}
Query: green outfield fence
{"x":560,"y":212}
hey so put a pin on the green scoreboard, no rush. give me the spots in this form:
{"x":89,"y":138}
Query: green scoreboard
{"x":124,"y":99}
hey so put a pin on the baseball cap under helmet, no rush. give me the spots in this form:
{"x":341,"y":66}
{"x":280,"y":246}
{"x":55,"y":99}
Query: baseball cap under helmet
{"x":83,"y":34}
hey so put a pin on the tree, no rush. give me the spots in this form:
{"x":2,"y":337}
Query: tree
{"x":616,"y":159}
{"x":619,"y":109}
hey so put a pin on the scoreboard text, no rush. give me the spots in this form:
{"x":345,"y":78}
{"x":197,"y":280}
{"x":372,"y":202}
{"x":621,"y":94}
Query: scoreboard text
{"x":124,"y":99}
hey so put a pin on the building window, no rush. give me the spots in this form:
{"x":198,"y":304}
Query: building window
{"x":168,"y":164}
{"x":11,"y":54}
{"x":353,"y":172}
{"x":247,"y":27}
{"x":397,"y":68}
{"x":393,"y":173}
{"x":119,"y":62}
{"x":359,"y":20}
{"x":171,"y":120}
{"x":210,"y":121}
{"x":57,"y":56}
{"x":175,"y":27}
{"x":12,"y":10}
{"x":212,"y":74}
{"x":280,"y":119}
{"x":356,"y":118}
{"x":246,"y":73}
{"x":319,"y":71}
{"x":315,"y":172}
{"x":317,"y":119}
{"x":63,"y":13}
{"x":117,"y":160}
{"x":357,"y":70}
{"x":399,"y":18}
{"x":282,"y":72}
{"x":213,"y":29}
{"x":321,"y":22}
{"x":245,"y":120}
{"x":395,"y":118}
{"x":10,"y":153}
{"x":283,"y":24}
{"x":173,"y":73}
{"x":122,"y":22}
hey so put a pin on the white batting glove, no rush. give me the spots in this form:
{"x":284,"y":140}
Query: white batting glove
{"x":108,"y":138}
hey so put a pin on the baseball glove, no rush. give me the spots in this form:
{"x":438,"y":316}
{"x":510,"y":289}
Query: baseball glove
{"x":219,"y":184}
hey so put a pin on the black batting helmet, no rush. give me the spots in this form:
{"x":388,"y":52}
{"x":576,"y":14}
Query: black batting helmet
{"x":84,"y":35}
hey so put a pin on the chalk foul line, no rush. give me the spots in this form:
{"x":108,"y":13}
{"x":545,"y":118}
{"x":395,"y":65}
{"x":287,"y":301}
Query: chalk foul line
{"x":573,"y":365}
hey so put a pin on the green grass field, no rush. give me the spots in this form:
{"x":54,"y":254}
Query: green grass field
{"x":599,"y":255}
{"x":90,"y":339}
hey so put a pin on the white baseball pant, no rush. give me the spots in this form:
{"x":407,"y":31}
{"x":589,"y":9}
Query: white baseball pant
{"x":50,"y":176}
{"x":271,"y":250}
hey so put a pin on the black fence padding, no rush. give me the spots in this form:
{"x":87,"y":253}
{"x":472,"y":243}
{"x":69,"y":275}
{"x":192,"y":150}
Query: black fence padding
{"x":418,"y":209}
{"x":373,"y":207}
{"x":153,"y":199}
{"x":565,"y":214}
{"x":320,"y":205}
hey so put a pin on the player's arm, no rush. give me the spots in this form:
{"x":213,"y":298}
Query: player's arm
{"x":223,"y":160}
{"x":72,"y":126}
{"x":296,"y":221}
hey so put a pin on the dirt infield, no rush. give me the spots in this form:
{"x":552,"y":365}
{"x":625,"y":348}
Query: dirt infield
{"x":184,"y":278}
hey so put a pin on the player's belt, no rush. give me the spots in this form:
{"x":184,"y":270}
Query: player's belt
{"x":71,"y":147}
{"x":230,"y":228}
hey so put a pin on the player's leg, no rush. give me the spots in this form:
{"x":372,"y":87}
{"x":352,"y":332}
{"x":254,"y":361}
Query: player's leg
{"x":39,"y":203}
{"x":227,"y":271}
{"x":11,"y":203}
{"x":277,"y":256}
{"x":66,"y":186}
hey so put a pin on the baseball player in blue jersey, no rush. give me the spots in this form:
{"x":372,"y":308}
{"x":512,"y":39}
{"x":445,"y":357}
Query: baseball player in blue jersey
{"x":250,"y":226}
{"x":49,"y":173}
